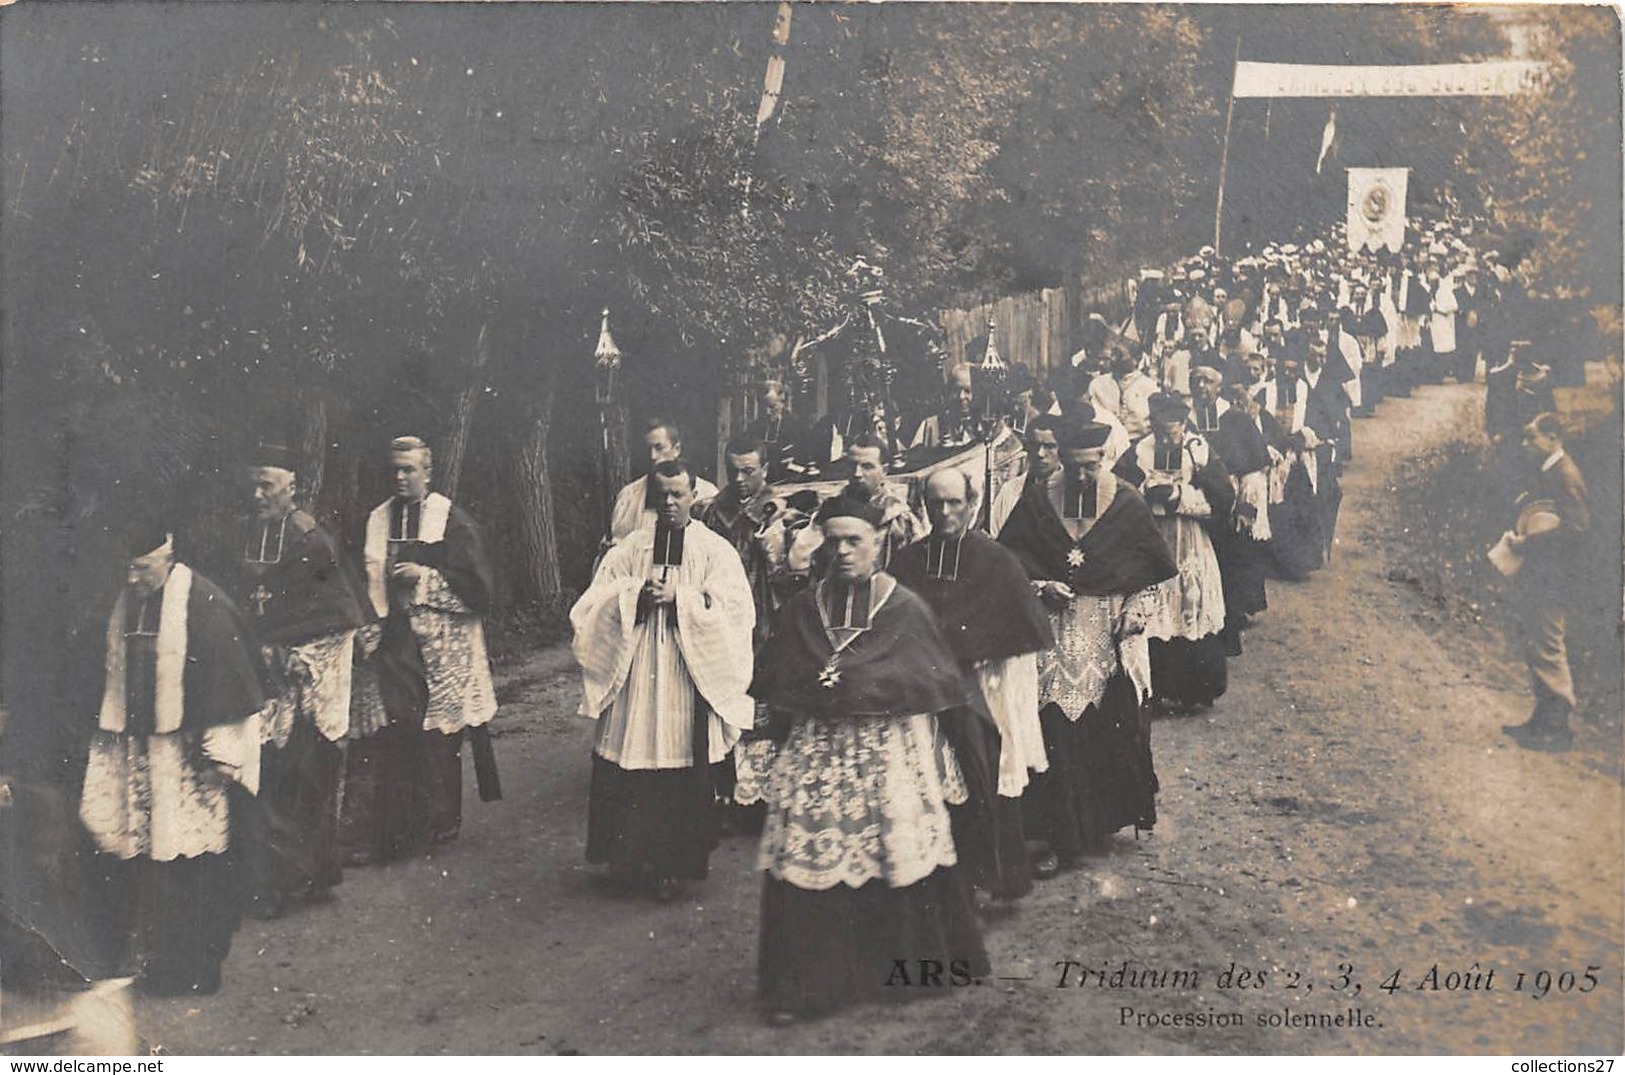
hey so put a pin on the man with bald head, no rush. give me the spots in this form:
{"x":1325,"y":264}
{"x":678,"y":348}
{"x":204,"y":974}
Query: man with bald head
{"x":996,"y":627}
{"x":292,"y":584}
{"x":955,"y":424}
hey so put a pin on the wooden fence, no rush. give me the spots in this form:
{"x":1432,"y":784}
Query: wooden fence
{"x":1041,"y":330}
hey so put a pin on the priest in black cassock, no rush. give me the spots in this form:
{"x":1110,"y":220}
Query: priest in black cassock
{"x":863,"y":885}
{"x":996,"y":626}
{"x":1092,"y":548}
{"x":173,"y":764}
{"x":426,"y":684}
{"x":305,"y":612}
{"x":1188,"y":489}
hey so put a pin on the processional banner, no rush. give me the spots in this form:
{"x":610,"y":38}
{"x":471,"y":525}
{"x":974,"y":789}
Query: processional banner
{"x":1376,"y":209}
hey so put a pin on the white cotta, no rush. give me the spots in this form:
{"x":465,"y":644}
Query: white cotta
{"x":1191,"y":604}
{"x":1443,"y":322}
{"x":1390,"y":340}
{"x":1253,"y":489}
{"x":1010,"y":686}
{"x":855,"y":800}
{"x":712,"y":620}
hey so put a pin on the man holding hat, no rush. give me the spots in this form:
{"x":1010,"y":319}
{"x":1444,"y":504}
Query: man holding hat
{"x":1552,"y":525}
{"x":1188,"y":489}
{"x":1091,"y":548}
{"x":175,"y":754}
{"x":305,"y":613}
{"x":427,"y":680}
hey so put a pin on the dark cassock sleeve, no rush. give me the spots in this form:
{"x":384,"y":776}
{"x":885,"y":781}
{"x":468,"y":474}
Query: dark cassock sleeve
{"x":1240,"y":444}
{"x":1128,"y":467}
{"x":1213,"y":479}
{"x":462,"y":559}
{"x":1500,"y":406}
{"x":1275,"y":434}
{"x":1323,"y":410}
{"x":222,"y":678}
{"x":1336,"y":365}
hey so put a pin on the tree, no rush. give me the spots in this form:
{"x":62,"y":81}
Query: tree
{"x":1545,"y":166}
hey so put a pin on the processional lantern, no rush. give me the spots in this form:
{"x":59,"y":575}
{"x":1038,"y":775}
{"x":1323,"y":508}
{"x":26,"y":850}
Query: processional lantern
{"x":606,"y":364}
{"x":991,"y":374}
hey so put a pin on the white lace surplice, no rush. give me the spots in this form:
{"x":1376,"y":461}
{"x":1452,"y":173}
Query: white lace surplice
{"x":1191,"y":604}
{"x":143,"y":795}
{"x":456,"y":665}
{"x":853,"y":801}
{"x":1073,"y":675}
{"x":317,"y":677}
{"x":452,"y":641}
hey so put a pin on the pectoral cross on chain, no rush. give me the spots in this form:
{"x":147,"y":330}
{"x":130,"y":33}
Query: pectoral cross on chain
{"x":1075,"y":558}
{"x":260,"y":597}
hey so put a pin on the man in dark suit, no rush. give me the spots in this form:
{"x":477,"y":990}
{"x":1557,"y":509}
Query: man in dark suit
{"x":1544,"y":582}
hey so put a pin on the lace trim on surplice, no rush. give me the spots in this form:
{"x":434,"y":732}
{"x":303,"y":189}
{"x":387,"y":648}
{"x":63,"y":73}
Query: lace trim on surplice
{"x":853,"y":801}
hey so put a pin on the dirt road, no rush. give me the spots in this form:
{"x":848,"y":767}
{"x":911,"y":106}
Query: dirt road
{"x":1349,"y":810}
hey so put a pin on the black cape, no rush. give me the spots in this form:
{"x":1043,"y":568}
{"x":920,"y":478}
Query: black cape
{"x":990,"y":612}
{"x":1123,"y":552}
{"x":901,"y":666}
{"x":311,"y":591}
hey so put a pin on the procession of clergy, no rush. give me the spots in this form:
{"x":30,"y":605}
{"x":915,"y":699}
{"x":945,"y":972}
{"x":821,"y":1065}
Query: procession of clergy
{"x":921,"y":707}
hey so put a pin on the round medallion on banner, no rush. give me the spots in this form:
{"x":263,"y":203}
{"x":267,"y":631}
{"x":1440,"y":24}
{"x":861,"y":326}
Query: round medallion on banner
{"x":1374,"y":206}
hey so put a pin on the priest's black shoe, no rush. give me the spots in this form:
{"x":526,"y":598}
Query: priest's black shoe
{"x":1541,"y":735}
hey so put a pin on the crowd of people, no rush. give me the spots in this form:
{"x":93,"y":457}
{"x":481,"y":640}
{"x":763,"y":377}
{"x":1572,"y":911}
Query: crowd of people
{"x":923,"y":704}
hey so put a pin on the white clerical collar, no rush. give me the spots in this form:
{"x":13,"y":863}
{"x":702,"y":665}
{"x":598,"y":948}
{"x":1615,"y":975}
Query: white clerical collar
{"x":1551,"y":460}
